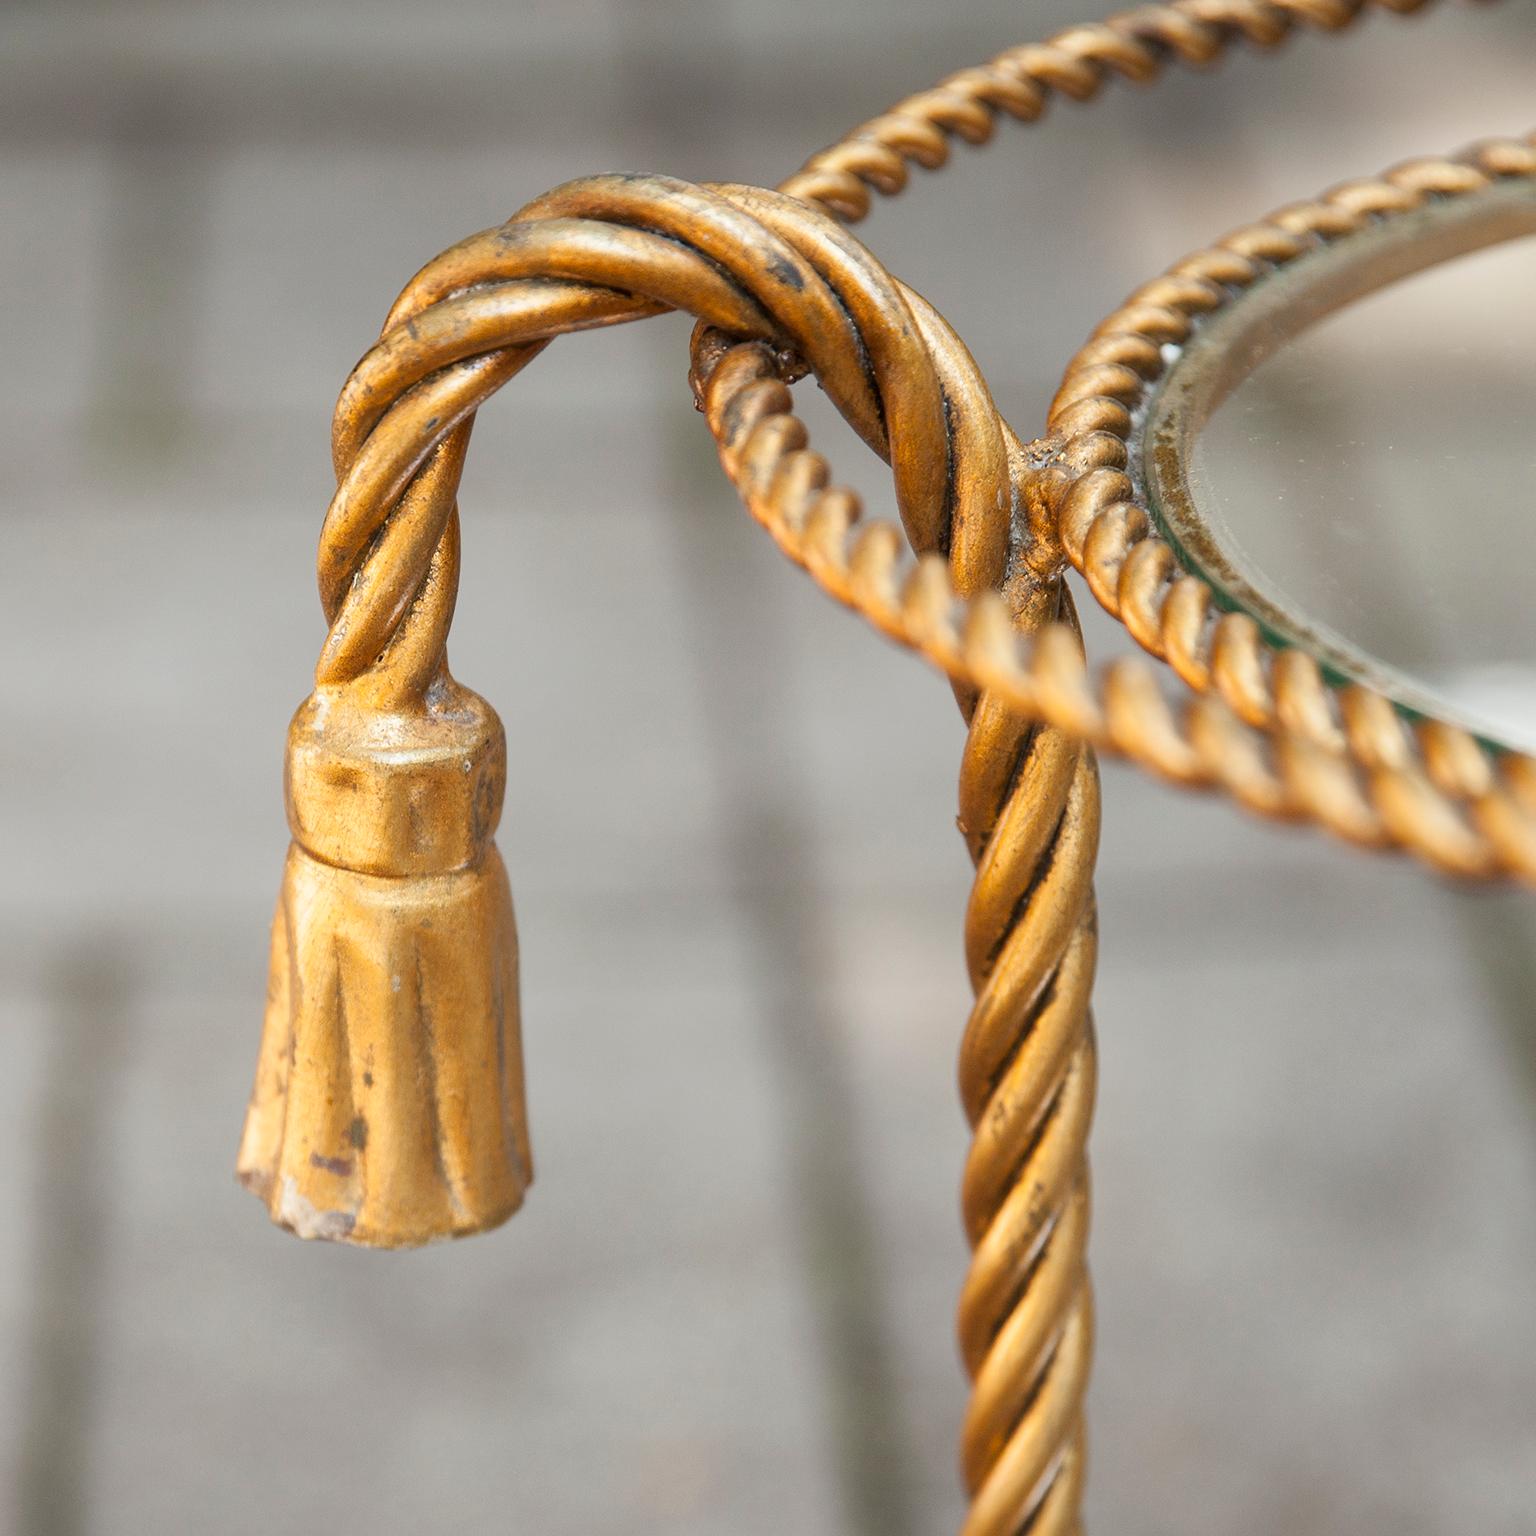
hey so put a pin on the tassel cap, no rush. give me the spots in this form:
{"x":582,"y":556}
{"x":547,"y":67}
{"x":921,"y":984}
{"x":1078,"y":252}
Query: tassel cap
{"x":388,"y":1108}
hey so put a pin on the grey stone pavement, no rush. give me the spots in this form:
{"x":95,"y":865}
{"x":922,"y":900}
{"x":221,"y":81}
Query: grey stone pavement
{"x":727,"y":1305}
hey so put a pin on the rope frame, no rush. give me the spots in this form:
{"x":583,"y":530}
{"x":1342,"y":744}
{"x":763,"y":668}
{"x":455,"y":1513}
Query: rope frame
{"x":1427,"y":785}
{"x":971,"y":578}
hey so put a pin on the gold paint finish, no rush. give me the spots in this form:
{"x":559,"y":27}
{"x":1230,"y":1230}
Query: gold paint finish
{"x":1266,"y":725}
{"x":1230,"y":343}
{"x":397,"y":792}
{"x":388,"y":1105}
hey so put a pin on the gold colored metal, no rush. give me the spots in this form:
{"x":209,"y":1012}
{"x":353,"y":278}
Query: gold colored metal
{"x":1029,"y":811}
{"x":388,"y":1107}
{"x":393,"y":874}
{"x":1343,"y":757}
{"x":1252,"y":324}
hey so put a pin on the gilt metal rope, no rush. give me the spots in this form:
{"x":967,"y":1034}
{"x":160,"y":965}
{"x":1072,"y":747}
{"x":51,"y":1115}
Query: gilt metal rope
{"x":972,"y":578}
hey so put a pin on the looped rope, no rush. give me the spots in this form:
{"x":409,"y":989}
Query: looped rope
{"x":586,"y":256}
{"x":757,"y":264}
{"x":971,"y":580}
{"x":1077,"y":63}
{"x":594,"y":253}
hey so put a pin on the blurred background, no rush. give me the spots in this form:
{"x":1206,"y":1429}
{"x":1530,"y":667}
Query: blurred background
{"x":727,"y":1305}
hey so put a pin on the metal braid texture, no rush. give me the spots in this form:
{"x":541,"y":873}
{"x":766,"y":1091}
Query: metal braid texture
{"x":757,"y":264}
{"x":971,"y":579}
{"x":1076,"y":63}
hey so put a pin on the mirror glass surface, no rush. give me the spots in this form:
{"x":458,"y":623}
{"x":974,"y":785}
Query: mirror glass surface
{"x":1369,"y":489}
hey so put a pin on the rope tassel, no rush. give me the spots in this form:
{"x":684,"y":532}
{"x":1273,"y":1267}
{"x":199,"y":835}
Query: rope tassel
{"x":388,"y":1108}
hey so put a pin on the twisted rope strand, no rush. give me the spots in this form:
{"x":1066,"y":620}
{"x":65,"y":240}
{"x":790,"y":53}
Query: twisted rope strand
{"x":1077,"y":63}
{"x":1129,"y":569}
{"x":772,"y":268}
{"x":1268,"y":734}
{"x":970,"y":581}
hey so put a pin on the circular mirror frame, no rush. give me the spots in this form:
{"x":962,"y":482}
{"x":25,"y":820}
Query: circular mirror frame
{"x":1232,"y":343}
{"x":1156,"y":369}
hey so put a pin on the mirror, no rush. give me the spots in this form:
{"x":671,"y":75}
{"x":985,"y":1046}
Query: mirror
{"x":1347,"y":451}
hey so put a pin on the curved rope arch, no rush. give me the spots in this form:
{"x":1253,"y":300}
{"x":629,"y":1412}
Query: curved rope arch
{"x":971,"y":580}
{"x":979,"y":592}
{"x":755,"y":264}
{"x":1077,"y":63}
